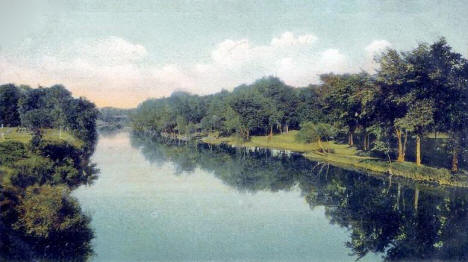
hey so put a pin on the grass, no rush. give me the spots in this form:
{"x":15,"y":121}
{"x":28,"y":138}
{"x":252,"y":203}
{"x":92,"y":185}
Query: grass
{"x":438,"y":135}
{"x":5,"y":173}
{"x":347,"y":157}
{"x":14,"y":134}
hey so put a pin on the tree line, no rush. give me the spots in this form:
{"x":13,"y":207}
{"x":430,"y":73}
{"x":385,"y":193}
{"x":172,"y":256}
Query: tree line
{"x":413,"y":93}
{"x":48,"y":107}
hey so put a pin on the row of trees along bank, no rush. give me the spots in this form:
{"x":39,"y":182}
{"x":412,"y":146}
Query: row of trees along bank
{"x":48,"y":107}
{"x":416,"y":92}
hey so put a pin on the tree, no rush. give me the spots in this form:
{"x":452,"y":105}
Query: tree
{"x":253,"y":112}
{"x":342,"y":106}
{"x":309,"y":106}
{"x":418,"y":120}
{"x":392,"y":79}
{"x":45,"y":211}
{"x":310,"y":132}
{"x":449,"y":75}
{"x":282,"y":101}
{"x":9,"y":96}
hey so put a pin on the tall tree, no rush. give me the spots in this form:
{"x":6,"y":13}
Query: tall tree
{"x":9,"y":96}
{"x":341,"y":104}
{"x":418,"y":120}
{"x":392,"y":79}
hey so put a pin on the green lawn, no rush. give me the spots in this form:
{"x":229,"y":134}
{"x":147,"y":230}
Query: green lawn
{"x":287,"y":141}
{"x":345,"y":156}
{"x":14,"y":134}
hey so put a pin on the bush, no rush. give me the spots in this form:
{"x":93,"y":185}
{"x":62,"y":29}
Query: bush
{"x":312,"y":132}
{"x":30,"y":171}
{"x":11,"y":151}
{"x":66,"y":174}
{"x":51,"y":219}
{"x":59,"y":151}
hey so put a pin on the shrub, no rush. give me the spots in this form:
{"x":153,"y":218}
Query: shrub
{"x":313,"y":132}
{"x":11,"y":151}
{"x":51,"y":219}
{"x":31,"y":171}
{"x":59,"y":151}
{"x":66,"y":174}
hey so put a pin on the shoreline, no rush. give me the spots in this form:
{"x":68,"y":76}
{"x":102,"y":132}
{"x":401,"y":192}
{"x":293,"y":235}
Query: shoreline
{"x":346,"y":157}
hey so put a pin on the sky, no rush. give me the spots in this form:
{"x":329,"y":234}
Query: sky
{"x":121,"y":52}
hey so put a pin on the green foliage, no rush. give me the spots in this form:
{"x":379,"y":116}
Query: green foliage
{"x":59,"y":151}
{"x":419,"y":117}
{"x":37,"y":118}
{"x":66,"y":174}
{"x":33,"y":170}
{"x":45,"y":211}
{"x":11,"y":151}
{"x":415,"y":92}
{"x":52,"y":107}
{"x":36,"y":140}
{"x":39,"y":162}
{"x":9,"y":96}
{"x":312,"y":132}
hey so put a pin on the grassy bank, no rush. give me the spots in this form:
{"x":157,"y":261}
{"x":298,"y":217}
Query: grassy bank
{"x":347,"y":157}
{"x":16,"y":134}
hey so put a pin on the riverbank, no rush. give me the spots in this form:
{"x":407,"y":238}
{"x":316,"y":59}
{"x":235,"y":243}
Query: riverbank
{"x":14,"y":147}
{"x":24,"y":136}
{"x":41,"y":220}
{"x":347,"y":157}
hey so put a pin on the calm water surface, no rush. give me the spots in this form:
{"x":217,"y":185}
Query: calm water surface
{"x":163,"y":202}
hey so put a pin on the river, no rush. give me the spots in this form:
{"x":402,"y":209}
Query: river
{"x":168,"y":202}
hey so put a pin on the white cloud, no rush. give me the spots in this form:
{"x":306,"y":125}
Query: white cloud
{"x":374,"y":49}
{"x":111,"y":50}
{"x":289,"y":39}
{"x":377,"y":46}
{"x":114,"y":71}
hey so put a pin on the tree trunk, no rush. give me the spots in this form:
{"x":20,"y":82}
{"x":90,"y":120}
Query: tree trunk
{"x":455,"y":152}
{"x":287,"y":128}
{"x":350,"y":139}
{"x":365,"y":142}
{"x":418,"y":150}
{"x":405,"y":140}
{"x":455,"y":160}
{"x":416,"y":198}
{"x":398,"y":196}
{"x":401,"y":151}
{"x":270,"y":135}
{"x":368,"y":142}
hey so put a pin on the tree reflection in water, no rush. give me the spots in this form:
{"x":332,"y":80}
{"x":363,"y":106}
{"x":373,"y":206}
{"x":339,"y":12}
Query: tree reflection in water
{"x":44,"y":222}
{"x":399,"y":219}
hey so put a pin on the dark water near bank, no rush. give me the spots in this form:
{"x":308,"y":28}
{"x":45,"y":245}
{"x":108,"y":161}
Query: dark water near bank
{"x":161,"y":202}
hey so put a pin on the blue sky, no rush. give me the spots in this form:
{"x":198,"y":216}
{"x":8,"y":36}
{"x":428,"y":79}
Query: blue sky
{"x":121,"y":52}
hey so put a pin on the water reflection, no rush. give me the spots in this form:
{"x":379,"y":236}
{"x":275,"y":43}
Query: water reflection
{"x":57,"y":229}
{"x":40,"y":220}
{"x":398,"y":219}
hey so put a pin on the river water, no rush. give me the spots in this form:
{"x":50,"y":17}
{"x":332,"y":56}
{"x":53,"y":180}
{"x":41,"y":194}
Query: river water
{"x":156,"y":201}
